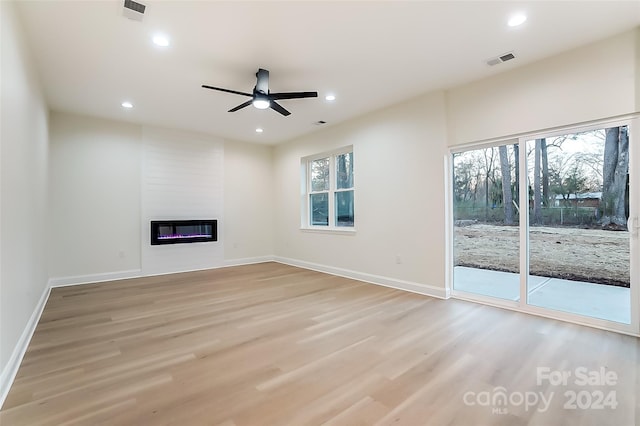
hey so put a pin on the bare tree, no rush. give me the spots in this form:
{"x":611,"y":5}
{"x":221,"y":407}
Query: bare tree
{"x":593,"y":164}
{"x":463,"y":182}
{"x":516,"y":156}
{"x":489,"y":166}
{"x":614,"y":174}
{"x":507,"y":196}
{"x":537,"y":213}
{"x":545,"y":172}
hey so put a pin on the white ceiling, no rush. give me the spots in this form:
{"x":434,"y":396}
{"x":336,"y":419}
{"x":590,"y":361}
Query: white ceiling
{"x":369,"y":53}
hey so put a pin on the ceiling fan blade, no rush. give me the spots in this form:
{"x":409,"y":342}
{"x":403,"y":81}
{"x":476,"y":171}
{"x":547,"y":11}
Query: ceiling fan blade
{"x":277,"y":107}
{"x":235,"y":92}
{"x":293,"y":95}
{"x":246,"y":104}
{"x":262,"y":85}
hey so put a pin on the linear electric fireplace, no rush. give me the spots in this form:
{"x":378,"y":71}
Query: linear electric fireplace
{"x":183,"y":231}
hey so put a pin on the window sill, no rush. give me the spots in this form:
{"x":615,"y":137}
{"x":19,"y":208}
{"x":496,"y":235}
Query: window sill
{"x":327,"y":230}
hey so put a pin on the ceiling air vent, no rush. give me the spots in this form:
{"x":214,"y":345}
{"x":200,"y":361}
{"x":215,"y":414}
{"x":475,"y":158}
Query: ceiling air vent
{"x":133,"y":10}
{"x":507,"y":57}
{"x":500,"y":59}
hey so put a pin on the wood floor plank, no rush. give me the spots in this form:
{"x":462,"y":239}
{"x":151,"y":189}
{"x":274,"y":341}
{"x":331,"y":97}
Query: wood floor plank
{"x":270,"y":344}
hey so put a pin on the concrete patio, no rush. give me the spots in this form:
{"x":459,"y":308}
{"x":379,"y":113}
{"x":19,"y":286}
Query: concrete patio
{"x":582,"y":298}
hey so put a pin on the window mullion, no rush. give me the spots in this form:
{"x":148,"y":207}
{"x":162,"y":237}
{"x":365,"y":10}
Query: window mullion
{"x":331,"y":195}
{"x":309,"y":192}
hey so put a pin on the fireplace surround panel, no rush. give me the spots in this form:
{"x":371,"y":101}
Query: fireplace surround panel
{"x":183,"y":231}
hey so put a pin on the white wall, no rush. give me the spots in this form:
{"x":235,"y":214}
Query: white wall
{"x":23,"y":195}
{"x":398,"y":172}
{"x":248,"y":201}
{"x":123,"y":175}
{"x":94,"y":196}
{"x":588,"y":83}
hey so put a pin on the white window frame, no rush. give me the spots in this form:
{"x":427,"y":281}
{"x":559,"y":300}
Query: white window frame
{"x":633,"y":123}
{"x":305,"y":167}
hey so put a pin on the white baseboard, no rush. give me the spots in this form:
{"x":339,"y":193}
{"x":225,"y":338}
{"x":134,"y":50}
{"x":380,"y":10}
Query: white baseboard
{"x":249,"y":260}
{"x":11,"y":368}
{"x":137,"y":273}
{"x":94,"y":278}
{"x":425,"y":289}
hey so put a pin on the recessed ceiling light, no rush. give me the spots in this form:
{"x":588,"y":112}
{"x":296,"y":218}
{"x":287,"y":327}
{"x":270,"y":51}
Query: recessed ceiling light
{"x":330,"y":97}
{"x":259,"y":130}
{"x":126,"y":104}
{"x":516,"y":20}
{"x":160,"y":40}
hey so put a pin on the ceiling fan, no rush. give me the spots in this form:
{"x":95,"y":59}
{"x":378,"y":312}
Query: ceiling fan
{"x":262,"y":98}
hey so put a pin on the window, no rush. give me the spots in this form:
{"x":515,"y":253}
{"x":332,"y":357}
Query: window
{"x":328,"y":190}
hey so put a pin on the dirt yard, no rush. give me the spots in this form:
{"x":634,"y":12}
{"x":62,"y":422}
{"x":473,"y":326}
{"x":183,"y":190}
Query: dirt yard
{"x":590,"y":255}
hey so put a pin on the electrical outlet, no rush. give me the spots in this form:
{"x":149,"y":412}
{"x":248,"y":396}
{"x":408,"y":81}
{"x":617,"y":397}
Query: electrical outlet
{"x":398,"y":259}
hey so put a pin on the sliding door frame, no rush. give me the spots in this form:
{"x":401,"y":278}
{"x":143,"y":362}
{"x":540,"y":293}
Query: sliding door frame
{"x":522,"y":305}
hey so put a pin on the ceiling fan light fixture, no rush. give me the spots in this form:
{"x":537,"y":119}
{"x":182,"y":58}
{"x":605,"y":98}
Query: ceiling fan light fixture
{"x":261,"y":103}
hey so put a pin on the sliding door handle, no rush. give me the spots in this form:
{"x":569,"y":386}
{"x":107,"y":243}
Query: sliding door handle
{"x":633,"y":226}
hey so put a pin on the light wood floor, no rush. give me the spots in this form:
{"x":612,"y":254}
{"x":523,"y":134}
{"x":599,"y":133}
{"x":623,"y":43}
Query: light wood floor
{"x":273,"y":344}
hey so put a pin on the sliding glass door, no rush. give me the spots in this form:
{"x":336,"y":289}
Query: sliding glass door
{"x":549,"y":224}
{"x":579,"y":189}
{"x":486,"y":217}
